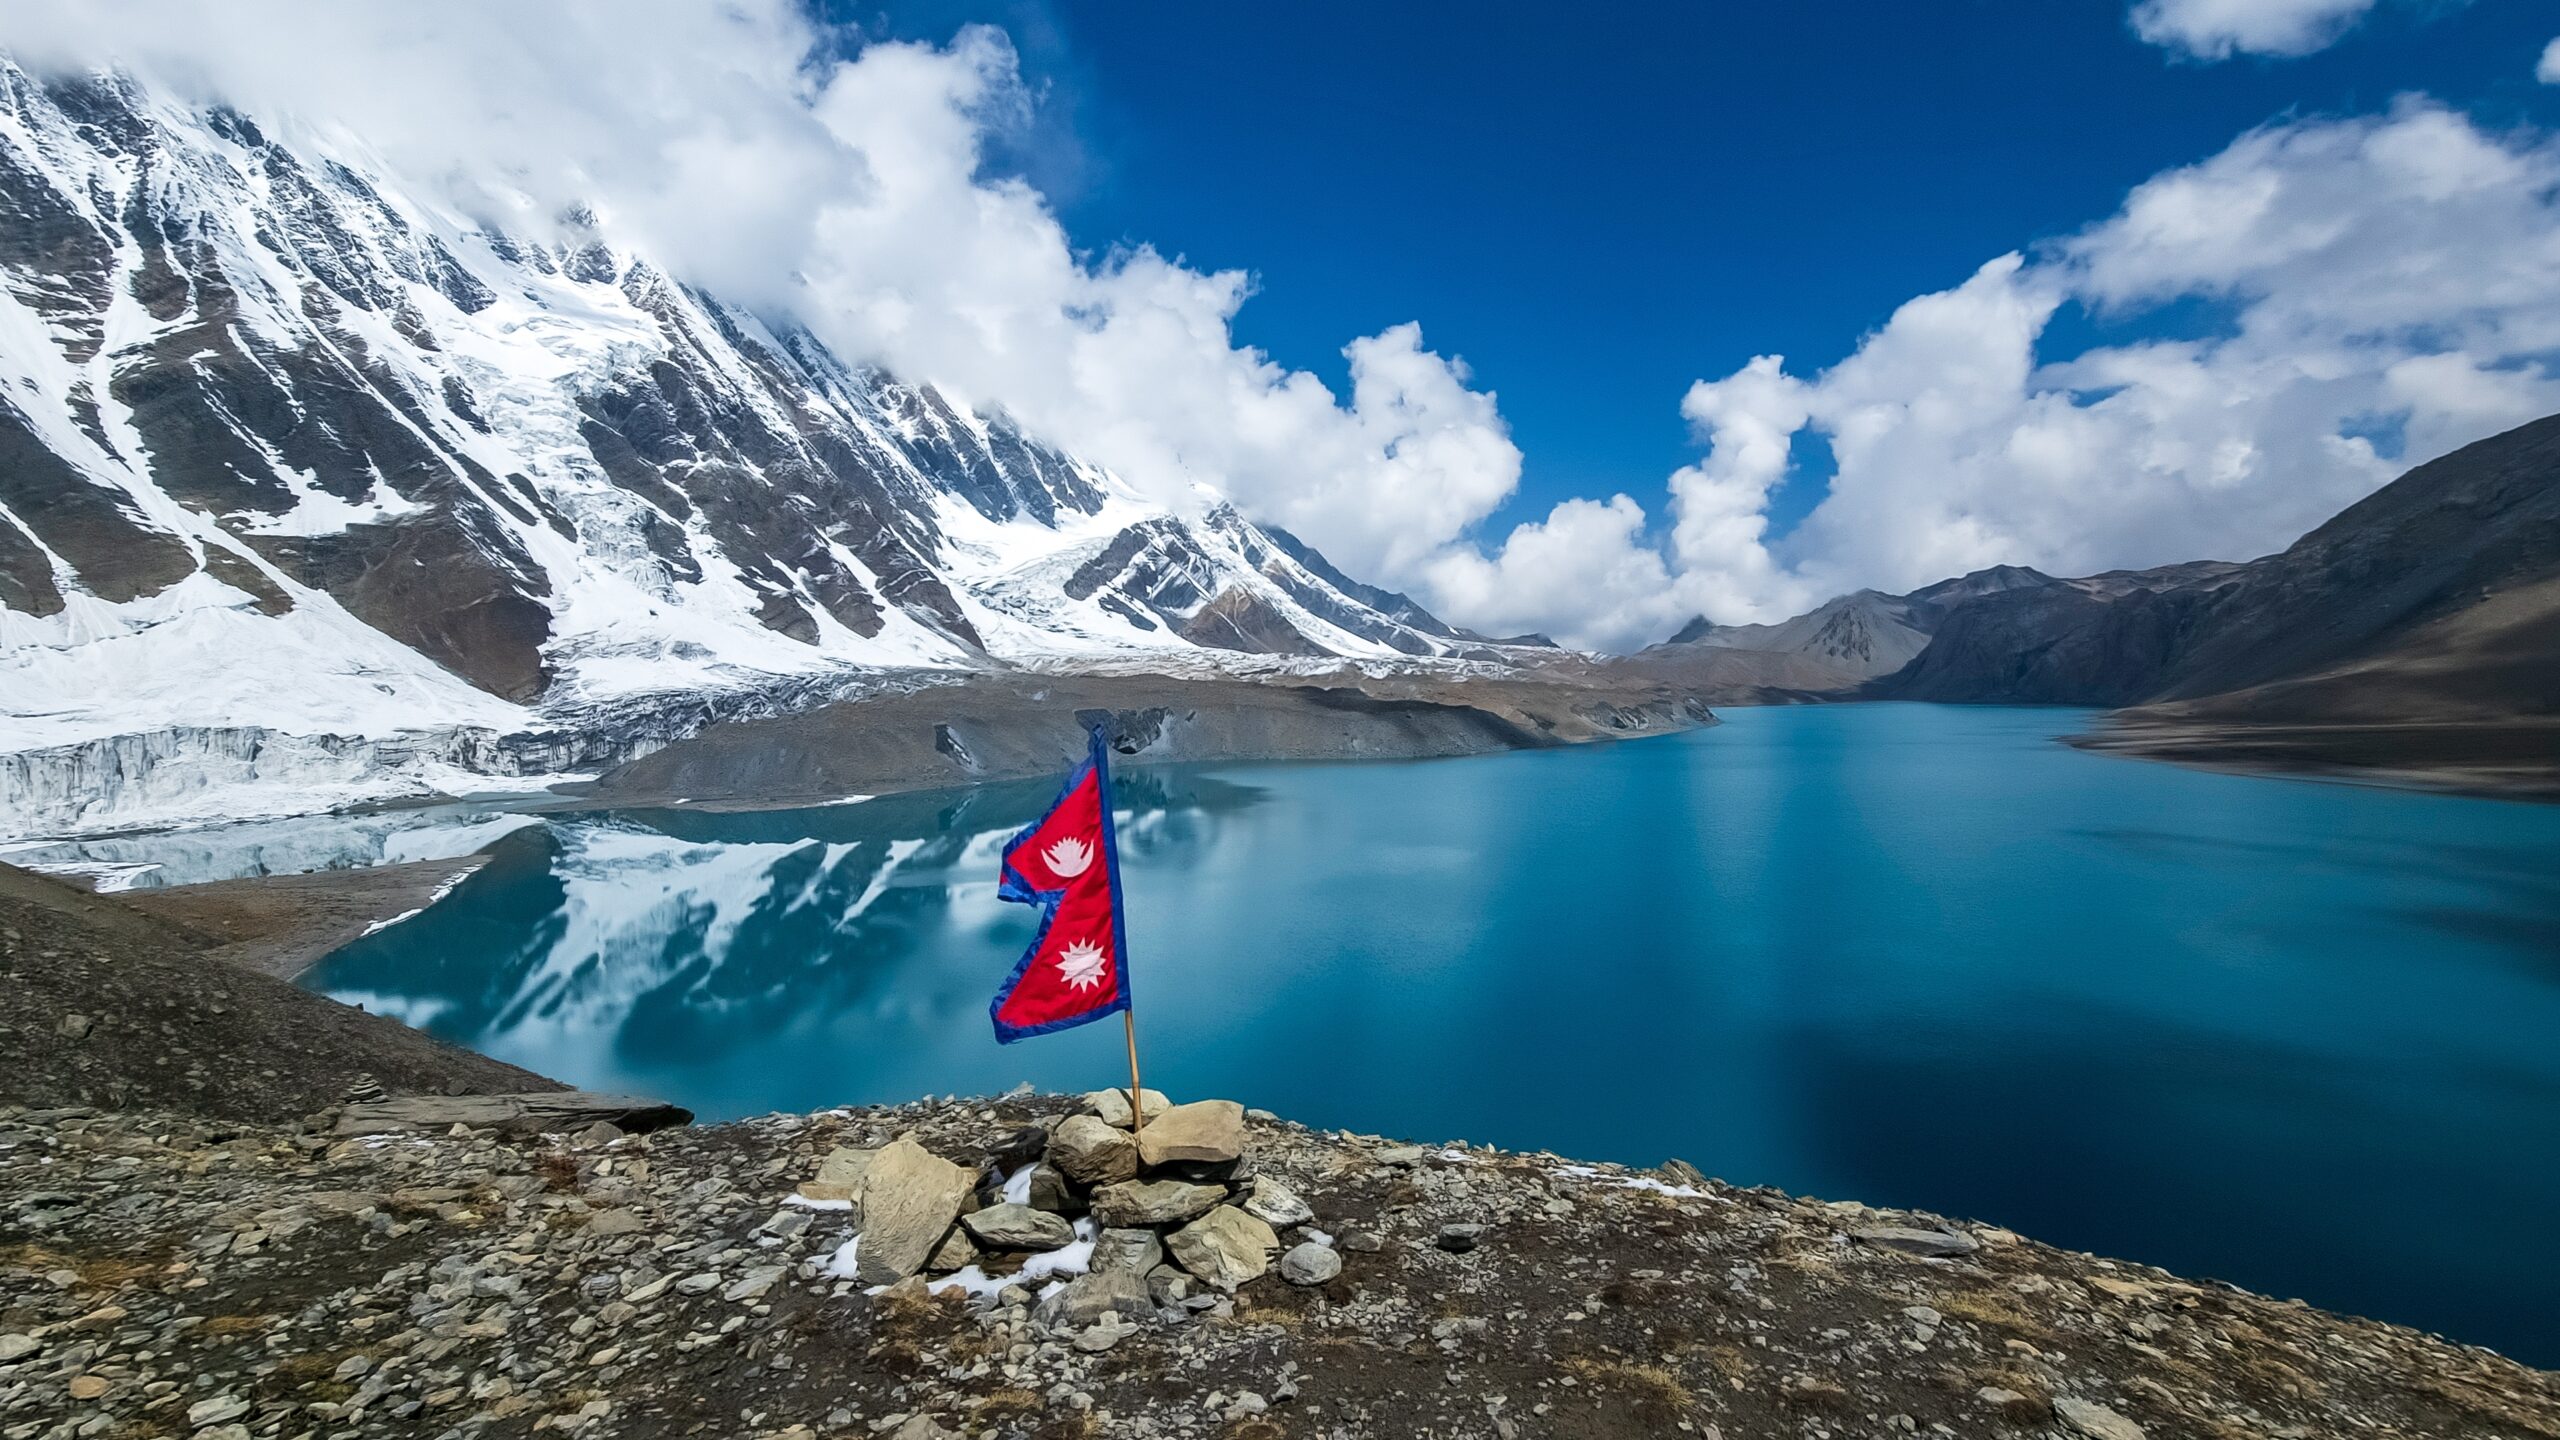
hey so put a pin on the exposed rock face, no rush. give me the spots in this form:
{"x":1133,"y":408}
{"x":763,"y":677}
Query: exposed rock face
{"x":1836,"y":646}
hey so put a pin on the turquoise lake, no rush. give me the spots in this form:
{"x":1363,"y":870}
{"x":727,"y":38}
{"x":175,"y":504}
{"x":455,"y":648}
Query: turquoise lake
{"x":2298,"y":1036}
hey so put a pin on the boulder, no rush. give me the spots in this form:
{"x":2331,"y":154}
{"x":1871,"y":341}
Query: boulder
{"x":1134,"y":1252}
{"x":1088,"y":1150}
{"x":1935,"y":1244}
{"x":1459,"y":1239}
{"x":1310,"y":1264}
{"x":1113,"y":1106}
{"x":1207,"y":1131}
{"x":1275,"y":1204}
{"x":1153,"y":1202}
{"x":1225,"y":1248}
{"x":1089,"y":1297}
{"x":1017,"y":1227}
{"x":910,"y":1196}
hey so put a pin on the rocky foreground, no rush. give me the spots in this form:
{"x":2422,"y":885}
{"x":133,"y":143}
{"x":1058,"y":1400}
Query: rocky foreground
{"x":1024,"y":1267}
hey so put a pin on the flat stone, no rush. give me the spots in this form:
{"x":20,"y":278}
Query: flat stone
{"x":614,"y":1222}
{"x":910,"y":1196}
{"x":845,"y":1166}
{"x":18,"y":1347}
{"x":1207,"y":1131}
{"x":1367,"y":1242}
{"x":89,"y":1387}
{"x":1017,"y":1227}
{"x":1089,"y":1150}
{"x":1459,"y":1239}
{"x":1400,"y":1155}
{"x":1134,"y":1251}
{"x":1225,"y":1248}
{"x":2094,"y":1420}
{"x":1113,"y":1106}
{"x":1152,"y":1202}
{"x":216,"y":1410}
{"x":543,"y":1110}
{"x":1090,"y":1296}
{"x":1276,"y":1204}
{"x":1910,"y":1241}
{"x":1310,"y":1264}
{"x":753,"y":1284}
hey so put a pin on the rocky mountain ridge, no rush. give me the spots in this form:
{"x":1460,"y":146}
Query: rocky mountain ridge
{"x":230,"y":1281}
{"x":311,"y":483}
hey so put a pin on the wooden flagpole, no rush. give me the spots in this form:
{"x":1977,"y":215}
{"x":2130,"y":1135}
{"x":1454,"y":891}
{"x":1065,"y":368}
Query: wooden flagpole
{"x":1137,"y":1106}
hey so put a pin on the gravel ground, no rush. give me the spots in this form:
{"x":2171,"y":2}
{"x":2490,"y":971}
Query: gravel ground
{"x":101,"y":1004}
{"x":162,"y":1274}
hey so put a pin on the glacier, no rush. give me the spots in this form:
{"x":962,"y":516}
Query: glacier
{"x":315,"y":491}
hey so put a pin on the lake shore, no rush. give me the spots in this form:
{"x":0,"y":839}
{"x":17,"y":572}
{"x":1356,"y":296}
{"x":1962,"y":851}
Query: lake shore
{"x":2513,"y":760}
{"x":1018,"y":725}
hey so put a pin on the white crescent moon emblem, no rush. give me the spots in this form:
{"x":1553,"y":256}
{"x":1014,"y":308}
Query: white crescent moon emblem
{"x":1068,"y":858}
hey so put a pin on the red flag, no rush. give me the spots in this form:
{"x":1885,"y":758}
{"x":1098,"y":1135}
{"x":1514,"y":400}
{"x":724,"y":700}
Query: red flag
{"x":1068,"y":864}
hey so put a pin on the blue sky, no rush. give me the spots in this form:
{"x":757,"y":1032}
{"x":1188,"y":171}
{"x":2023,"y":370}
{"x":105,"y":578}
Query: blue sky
{"x":2077,"y":284}
{"x":1595,"y":210}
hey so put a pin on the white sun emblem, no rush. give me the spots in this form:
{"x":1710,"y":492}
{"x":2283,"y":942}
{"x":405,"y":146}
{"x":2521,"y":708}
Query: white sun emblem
{"x":1081,"y":963}
{"x":1068,"y":857}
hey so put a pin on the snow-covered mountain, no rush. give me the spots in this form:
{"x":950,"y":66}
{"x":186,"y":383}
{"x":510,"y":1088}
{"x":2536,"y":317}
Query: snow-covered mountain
{"x":307,"y":481}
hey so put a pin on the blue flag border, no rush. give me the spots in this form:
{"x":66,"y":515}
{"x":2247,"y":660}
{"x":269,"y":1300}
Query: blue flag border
{"x":1012,"y":885}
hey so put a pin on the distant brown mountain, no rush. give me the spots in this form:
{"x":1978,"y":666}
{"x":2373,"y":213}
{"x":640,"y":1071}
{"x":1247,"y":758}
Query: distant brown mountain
{"x":2435,"y":599}
{"x":2417,"y":631}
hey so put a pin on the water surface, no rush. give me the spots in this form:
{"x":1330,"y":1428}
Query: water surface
{"x":2294,"y":1035}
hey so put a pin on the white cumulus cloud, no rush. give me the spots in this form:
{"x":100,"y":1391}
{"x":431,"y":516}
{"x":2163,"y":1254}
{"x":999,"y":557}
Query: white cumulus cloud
{"x":2378,"y":289}
{"x":2548,"y":69}
{"x":2386,"y":289}
{"x":2219,"y":29}
{"x":802,"y":170}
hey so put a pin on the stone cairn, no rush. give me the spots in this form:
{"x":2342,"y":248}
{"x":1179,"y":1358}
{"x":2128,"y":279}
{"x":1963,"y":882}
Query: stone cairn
{"x":1176,"y":1214}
